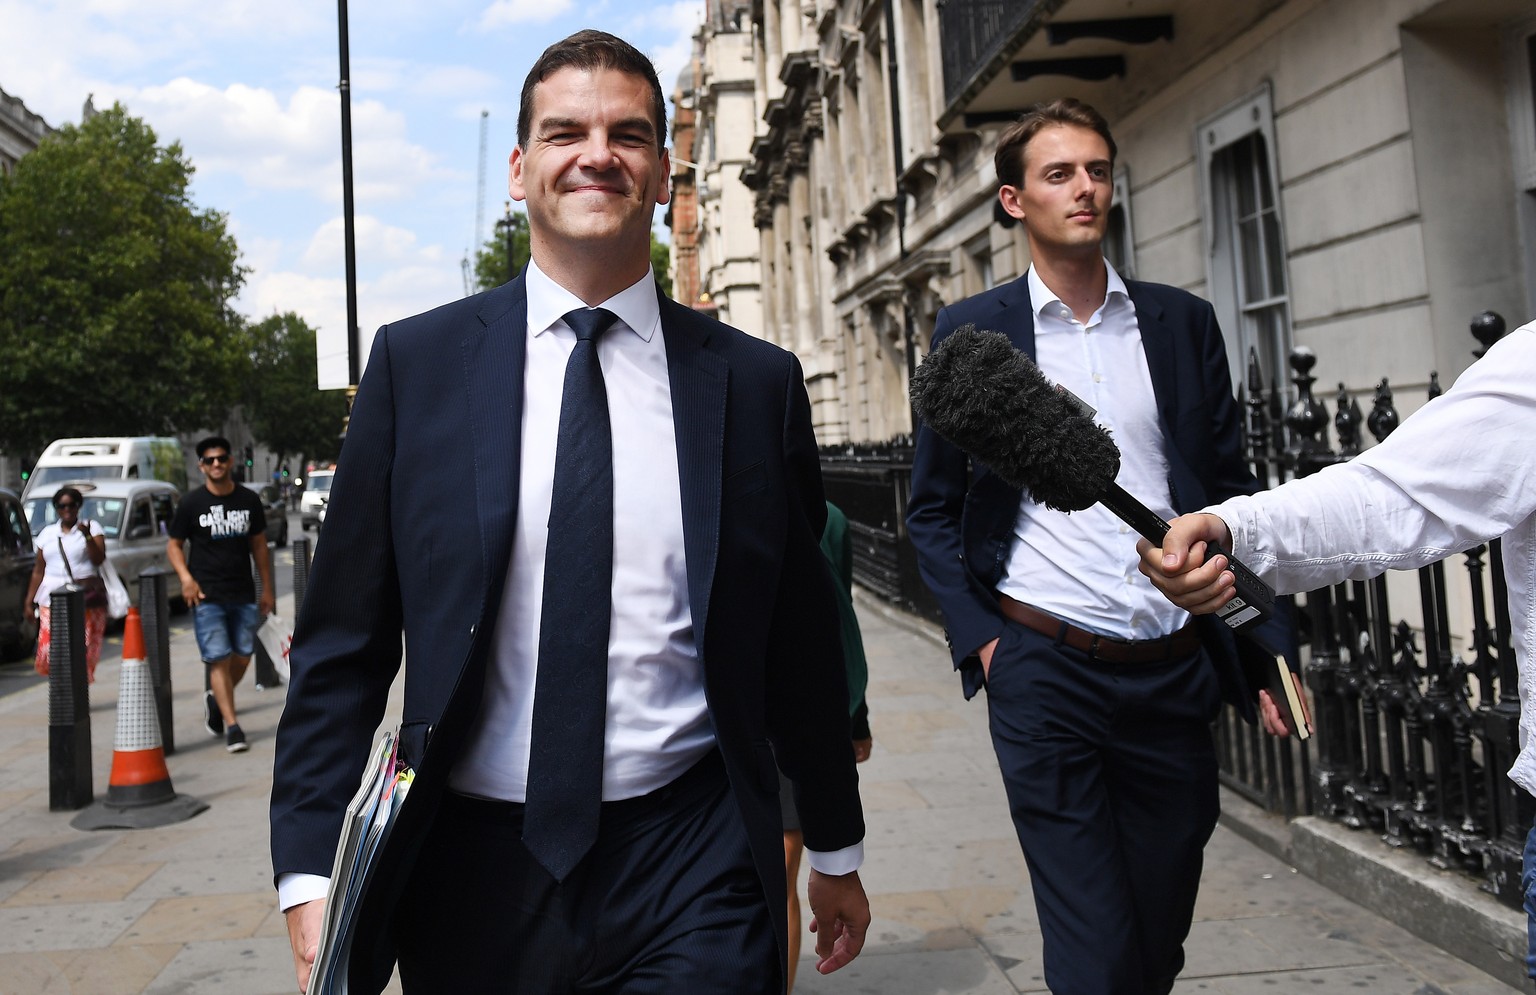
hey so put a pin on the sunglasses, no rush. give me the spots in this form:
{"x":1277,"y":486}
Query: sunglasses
{"x":210,"y":460}
{"x":66,"y":505}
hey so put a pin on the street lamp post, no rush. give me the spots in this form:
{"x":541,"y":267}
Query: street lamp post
{"x":507,"y":225}
{"x":350,"y":236}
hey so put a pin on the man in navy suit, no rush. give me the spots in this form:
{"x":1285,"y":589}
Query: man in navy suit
{"x":1100,"y":695}
{"x":722,"y":627}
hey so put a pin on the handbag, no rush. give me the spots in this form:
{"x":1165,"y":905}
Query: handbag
{"x":95,"y":587}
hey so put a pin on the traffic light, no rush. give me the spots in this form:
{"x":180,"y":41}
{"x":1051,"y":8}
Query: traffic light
{"x":250,"y":459}
{"x":285,"y":469}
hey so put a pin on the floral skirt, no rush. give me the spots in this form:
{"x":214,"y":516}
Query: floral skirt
{"x":95,"y":626}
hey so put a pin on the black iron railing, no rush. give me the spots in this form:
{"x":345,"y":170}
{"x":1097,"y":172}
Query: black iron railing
{"x":972,"y":32}
{"x":871,"y":483}
{"x":1412,"y":739}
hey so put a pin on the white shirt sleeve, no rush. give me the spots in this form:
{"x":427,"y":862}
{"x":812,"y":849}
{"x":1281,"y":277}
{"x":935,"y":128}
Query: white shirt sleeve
{"x":1458,"y":472}
{"x":296,"y":889}
{"x":837,"y":862}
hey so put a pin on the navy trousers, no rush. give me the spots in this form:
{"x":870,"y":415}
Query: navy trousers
{"x":1110,"y":771}
{"x":667,"y":901}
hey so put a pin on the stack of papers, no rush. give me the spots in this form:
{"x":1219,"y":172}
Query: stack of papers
{"x":369,"y":819}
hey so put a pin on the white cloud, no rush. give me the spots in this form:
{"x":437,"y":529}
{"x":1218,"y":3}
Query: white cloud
{"x":398,"y":277}
{"x":249,"y":132}
{"x":502,"y":13}
{"x":382,"y":242}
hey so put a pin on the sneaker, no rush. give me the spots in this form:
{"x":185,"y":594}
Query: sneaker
{"x":213,"y":719}
{"x":234,"y":739}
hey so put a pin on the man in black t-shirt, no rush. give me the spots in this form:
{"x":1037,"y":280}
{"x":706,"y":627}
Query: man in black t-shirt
{"x":228,"y":530}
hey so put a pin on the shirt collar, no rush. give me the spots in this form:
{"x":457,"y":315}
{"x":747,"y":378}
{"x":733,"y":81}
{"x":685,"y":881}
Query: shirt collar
{"x":1041,"y":296}
{"x":636,"y":305}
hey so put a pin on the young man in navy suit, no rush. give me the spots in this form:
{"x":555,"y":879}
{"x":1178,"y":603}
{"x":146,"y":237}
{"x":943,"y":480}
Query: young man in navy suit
{"x":716,"y":624}
{"x":1100,"y":694}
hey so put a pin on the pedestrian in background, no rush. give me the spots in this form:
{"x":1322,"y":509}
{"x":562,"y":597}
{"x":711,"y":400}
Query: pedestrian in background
{"x":227,"y":527}
{"x":68,"y":552}
{"x":837,"y":547}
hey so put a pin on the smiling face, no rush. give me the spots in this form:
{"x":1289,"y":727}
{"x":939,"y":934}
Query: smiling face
{"x":215,"y":464}
{"x":1068,"y":186}
{"x":592,"y":171}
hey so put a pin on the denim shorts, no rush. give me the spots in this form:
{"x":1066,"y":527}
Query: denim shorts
{"x":225,"y":630}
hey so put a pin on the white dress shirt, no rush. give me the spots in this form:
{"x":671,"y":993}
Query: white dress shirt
{"x":657,"y":723}
{"x":1083,"y":566}
{"x":1457,"y":473}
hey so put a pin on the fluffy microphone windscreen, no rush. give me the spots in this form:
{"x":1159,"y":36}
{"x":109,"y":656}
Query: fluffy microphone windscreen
{"x":984,"y":396}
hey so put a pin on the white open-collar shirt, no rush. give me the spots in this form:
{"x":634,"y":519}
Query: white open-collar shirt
{"x":1082,"y":566}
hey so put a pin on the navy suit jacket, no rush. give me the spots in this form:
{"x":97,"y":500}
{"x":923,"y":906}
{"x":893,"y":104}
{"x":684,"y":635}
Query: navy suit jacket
{"x":961,"y":516}
{"x":418,"y":538}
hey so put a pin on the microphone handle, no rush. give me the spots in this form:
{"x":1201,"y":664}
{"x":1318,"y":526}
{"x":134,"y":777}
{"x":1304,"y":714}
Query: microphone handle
{"x":1255,"y":600}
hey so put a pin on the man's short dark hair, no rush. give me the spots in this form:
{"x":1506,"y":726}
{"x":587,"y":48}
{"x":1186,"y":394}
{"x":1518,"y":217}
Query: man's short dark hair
{"x":589,"y":49}
{"x":1009,"y":157}
{"x":213,"y":442}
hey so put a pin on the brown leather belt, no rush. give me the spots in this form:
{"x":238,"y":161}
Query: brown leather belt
{"x":1177,"y":646}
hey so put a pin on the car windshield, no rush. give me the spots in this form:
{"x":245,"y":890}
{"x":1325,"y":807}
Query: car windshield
{"x":320,"y":482}
{"x":106,"y":510}
{"x":59,"y":474}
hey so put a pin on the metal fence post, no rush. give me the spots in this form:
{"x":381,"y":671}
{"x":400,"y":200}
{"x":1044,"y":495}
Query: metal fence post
{"x":69,"y":703}
{"x":155,"y":611}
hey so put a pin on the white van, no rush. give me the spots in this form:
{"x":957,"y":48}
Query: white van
{"x":144,"y":458}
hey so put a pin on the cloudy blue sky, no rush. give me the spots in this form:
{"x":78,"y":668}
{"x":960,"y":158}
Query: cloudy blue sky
{"x":249,"y":89}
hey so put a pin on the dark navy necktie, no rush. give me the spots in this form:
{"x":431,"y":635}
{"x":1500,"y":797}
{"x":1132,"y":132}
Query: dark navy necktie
{"x":570,"y":698}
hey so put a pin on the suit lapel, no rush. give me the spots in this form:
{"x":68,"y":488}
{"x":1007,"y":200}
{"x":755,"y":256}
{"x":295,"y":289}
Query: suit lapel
{"x":494,"y":355}
{"x":1157,"y":342}
{"x":1015,"y":316}
{"x":699,"y":379}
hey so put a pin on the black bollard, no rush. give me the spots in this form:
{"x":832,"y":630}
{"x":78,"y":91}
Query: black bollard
{"x":69,"y":704}
{"x":155,"y":611}
{"x":300,"y":574}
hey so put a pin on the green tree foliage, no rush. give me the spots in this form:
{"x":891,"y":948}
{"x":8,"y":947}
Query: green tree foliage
{"x":661,"y":263}
{"x":491,"y":266}
{"x":286,"y":412}
{"x":114,"y":290}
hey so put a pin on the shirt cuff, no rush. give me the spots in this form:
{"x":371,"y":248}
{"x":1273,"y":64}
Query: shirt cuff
{"x":296,"y":889}
{"x":837,"y":862}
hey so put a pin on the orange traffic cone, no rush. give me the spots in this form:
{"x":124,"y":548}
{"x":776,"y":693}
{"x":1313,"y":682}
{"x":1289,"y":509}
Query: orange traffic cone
{"x":139,"y":792}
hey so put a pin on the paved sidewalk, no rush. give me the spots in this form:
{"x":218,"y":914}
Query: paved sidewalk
{"x":189,"y":908}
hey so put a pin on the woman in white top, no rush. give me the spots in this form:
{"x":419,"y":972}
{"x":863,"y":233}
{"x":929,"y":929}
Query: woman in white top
{"x":68,"y":550}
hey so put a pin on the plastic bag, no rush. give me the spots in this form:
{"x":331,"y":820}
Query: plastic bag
{"x":276,"y":636}
{"x":118,"y":601}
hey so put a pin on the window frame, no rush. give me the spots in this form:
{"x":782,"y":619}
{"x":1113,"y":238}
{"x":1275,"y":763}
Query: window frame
{"x":1238,"y":122}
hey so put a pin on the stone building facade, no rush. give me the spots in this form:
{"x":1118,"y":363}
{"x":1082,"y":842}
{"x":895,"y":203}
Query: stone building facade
{"x":723,"y":102}
{"x":1357,"y":176}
